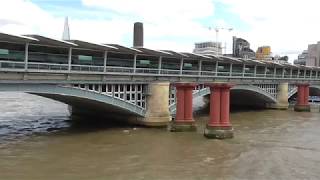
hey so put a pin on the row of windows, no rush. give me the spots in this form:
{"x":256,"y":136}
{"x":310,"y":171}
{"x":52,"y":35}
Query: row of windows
{"x":81,"y":57}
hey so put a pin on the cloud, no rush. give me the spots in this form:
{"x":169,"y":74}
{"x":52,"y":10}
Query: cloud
{"x":149,"y":10}
{"x":25,"y":17}
{"x":168,"y":24}
{"x":284,"y":25}
{"x":287,"y":26}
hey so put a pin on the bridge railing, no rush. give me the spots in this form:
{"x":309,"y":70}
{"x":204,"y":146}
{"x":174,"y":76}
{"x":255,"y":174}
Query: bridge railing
{"x":147,"y":71}
{"x":63,"y":67}
{"x":11,"y":65}
{"x":86,"y":68}
{"x":169,"y":71}
{"x":47,"y":66}
{"x":208,"y":73}
{"x":114,"y":69}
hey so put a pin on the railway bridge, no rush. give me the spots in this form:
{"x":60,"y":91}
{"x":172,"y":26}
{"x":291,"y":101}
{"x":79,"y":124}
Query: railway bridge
{"x":149,"y":86}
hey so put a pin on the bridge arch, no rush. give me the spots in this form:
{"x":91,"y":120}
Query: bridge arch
{"x":239,"y":93}
{"x":314,"y":90}
{"x":77,"y":97}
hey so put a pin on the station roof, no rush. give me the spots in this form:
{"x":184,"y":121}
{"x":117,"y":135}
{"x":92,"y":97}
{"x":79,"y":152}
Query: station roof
{"x":230,"y":59}
{"x":123,"y":49}
{"x":50,"y":41}
{"x":252,"y":62}
{"x":16,"y":38}
{"x":293,"y":65}
{"x":317,"y":68}
{"x":287,"y":65}
{"x":257,"y":61}
{"x":272,"y":63}
{"x":152,"y":52}
{"x":308,"y":67}
{"x":196,"y":56}
{"x":175,"y":54}
{"x":89,"y":45}
{"x":214,"y":57}
{"x":46,"y":41}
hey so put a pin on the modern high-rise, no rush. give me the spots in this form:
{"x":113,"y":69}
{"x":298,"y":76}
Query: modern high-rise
{"x":313,"y":55}
{"x":208,"y":48}
{"x":302,"y":58}
{"x":241,"y":48}
{"x":264,"y":53}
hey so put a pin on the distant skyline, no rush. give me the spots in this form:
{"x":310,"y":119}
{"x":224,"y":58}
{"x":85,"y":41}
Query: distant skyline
{"x":287,"y":26}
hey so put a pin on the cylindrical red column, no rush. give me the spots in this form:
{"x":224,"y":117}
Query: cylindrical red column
{"x":306,"y":94}
{"x":180,"y":103}
{"x":215,"y":106}
{"x":225,"y":106}
{"x":300,"y":100}
{"x":188,"y":111}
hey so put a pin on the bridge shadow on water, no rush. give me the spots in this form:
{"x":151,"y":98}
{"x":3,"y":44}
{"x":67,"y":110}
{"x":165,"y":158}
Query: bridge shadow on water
{"x":90,"y":123}
{"x":202,"y":107}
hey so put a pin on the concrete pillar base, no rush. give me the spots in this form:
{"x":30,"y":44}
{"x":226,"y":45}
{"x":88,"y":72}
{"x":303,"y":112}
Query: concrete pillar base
{"x":282,"y":98}
{"x":278,"y":106}
{"x":186,"y":126}
{"x":218,"y":132}
{"x":151,"y":121}
{"x":157,"y":107}
{"x":302,"y":108}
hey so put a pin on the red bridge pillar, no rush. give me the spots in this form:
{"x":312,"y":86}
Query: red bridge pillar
{"x":303,"y":98}
{"x":219,"y":126}
{"x":184,"y":115}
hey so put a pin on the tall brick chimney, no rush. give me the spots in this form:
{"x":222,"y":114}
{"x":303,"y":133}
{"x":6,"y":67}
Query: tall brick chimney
{"x":138,"y":35}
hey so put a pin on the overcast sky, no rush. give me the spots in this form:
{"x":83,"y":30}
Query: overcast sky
{"x":288,"y":26}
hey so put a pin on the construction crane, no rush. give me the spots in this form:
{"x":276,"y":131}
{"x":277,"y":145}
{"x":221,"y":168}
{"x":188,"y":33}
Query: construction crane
{"x":217,"y":29}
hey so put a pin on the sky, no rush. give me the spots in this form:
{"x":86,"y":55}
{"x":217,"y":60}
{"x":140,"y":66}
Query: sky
{"x":287,"y":26}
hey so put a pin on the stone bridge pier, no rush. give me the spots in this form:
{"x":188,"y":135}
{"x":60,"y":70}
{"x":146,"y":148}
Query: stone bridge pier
{"x":281,"y":98}
{"x":303,"y":98}
{"x":157,"y":107}
{"x":184,"y":116}
{"x":219,"y":126}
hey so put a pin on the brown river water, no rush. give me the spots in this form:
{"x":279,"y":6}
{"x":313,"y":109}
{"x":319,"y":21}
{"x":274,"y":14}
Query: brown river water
{"x":38,"y":140}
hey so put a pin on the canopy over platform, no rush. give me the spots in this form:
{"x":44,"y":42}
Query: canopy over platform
{"x":123,"y":49}
{"x":89,"y":45}
{"x":152,"y":52}
{"x":16,"y":38}
{"x":196,"y":56}
{"x":45,"y":41}
{"x":175,"y":54}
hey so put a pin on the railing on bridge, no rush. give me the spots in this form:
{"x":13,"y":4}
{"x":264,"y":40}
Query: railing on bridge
{"x":20,"y":66}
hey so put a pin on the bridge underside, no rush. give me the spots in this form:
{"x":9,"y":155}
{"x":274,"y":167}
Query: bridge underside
{"x":89,"y":108}
{"x":83,"y":102}
{"x":246,"y":98}
{"x":240,"y":97}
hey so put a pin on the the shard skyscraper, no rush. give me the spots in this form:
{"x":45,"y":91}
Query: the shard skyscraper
{"x":66,"y":31}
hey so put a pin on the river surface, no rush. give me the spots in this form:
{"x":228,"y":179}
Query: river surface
{"x":38,"y":140}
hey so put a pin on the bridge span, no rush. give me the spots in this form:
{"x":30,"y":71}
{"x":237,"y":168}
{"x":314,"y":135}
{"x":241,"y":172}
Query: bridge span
{"x":144,"y":84}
